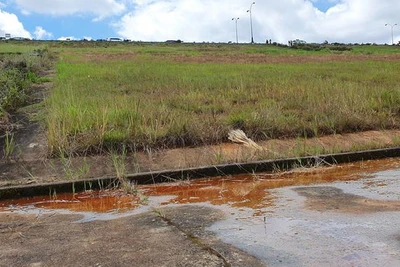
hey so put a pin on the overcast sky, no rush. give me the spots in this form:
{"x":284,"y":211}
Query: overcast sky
{"x":348,"y":21}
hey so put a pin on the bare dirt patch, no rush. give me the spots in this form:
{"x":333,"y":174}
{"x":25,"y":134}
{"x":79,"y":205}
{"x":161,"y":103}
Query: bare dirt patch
{"x":240,"y":58}
{"x":275,"y":59}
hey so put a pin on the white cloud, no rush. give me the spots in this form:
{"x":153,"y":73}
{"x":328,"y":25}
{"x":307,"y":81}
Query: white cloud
{"x":9,"y":23}
{"x":358,"y":20}
{"x":41,"y":33}
{"x":189,"y":20}
{"x":98,"y":8}
{"x":210,"y":20}
{"x":67,"y":38}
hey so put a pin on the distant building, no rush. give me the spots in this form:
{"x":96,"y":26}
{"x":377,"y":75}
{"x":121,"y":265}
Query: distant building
{"x":115,"y":39}
{"x":8,"y":35}
{"x":296,"y":42}
{"x":17,"y":38}
{"x":174,"y":41}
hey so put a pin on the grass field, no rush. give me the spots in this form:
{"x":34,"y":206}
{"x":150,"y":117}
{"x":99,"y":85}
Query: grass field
{"x":173,"y":95}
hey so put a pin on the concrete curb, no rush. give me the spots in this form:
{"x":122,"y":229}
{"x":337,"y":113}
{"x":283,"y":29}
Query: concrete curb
{"x":195,"y":173}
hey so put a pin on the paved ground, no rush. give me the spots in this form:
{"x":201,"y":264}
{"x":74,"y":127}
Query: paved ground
{"x":175,"y":237}
{"x":351,"y":222}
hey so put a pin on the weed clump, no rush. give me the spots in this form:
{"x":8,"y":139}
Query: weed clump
{"x":17,"y":73}
{"x":308,"y":47}
{"x":340,"y":48}
{"x":14,"y":81}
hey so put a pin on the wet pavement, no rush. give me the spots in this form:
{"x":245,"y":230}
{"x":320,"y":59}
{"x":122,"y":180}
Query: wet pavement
{"x":337,"y":224}
{"x":345,"y":215}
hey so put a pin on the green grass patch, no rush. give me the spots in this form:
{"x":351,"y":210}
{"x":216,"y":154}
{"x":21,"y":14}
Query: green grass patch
{"x":154,"y":102}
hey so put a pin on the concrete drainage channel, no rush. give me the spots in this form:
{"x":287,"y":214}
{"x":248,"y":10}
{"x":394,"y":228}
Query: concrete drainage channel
{"x":195,"y":173}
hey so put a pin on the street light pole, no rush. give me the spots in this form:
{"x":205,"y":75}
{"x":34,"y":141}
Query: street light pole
{"x":251,"y":22}
{"x":391,"y":26}
{"x":237,"y":39}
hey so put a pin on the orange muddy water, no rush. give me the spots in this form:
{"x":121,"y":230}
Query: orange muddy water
{"x":240,"y":191}
{"x":91,"y":201}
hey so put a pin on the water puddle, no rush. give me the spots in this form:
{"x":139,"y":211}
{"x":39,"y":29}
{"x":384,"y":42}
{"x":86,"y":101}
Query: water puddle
{"x":93,"y":201}
{"x":253,"y":190}
{"x":250,"y":191}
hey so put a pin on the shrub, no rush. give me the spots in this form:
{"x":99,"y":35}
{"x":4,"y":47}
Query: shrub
{"x":307,"y":47}
{"x":340,"y":48}
{"x":17,"y":72}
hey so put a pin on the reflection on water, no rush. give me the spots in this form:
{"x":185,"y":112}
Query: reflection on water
{"x":91,"y":201}
{"x":251,"y":190}
{"x":240,"y":191}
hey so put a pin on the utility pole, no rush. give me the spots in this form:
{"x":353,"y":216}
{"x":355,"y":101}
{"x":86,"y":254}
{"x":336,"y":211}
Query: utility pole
{"x":387,"y":24}
{"x":236,"y":21}
{"x":251,"y":22}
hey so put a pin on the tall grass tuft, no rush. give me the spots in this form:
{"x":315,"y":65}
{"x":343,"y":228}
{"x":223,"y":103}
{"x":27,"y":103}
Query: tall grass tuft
{"x":119,"y":162}
{"x":9,"y":146}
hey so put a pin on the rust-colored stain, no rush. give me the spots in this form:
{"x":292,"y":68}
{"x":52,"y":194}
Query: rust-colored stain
{"x":91,"y":201}
{"x":240,"y":191}
{"x":251,"y":190}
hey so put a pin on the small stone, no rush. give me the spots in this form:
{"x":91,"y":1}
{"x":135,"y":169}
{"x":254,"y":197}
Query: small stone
{"x":33,"y":145}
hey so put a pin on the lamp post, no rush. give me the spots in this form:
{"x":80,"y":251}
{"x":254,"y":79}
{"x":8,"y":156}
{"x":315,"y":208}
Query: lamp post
{"x":236,"y":19}
{"x":251,"y":22}
{"x":387,"y":24}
